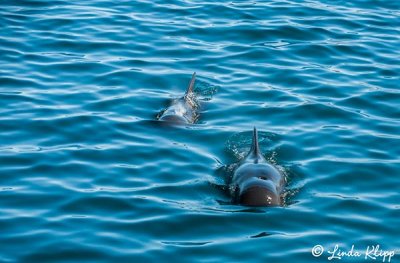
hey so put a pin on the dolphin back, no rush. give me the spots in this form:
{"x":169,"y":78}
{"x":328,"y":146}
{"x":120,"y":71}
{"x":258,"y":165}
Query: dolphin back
{"x":185,"y":109}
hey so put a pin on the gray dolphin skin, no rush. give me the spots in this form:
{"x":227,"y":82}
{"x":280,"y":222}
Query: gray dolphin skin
{"x":257,"y":182}
{"x":183,"y":110}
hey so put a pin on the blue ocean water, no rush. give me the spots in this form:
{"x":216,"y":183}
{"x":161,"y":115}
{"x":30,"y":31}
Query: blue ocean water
{"x":87,"y":174}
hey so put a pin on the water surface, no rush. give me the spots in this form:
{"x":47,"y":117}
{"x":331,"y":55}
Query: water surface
{"x":88,"y":174}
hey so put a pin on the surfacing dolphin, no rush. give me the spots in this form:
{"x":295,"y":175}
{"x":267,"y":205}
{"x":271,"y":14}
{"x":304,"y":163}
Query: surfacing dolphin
{"x":257,"y":182}
{"x":183,"y":110}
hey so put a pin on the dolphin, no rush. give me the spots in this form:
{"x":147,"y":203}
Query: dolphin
{"x":183,"y":110}
{"x":255,"y":181}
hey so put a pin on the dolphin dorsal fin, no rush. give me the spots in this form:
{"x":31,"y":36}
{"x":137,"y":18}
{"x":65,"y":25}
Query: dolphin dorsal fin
{"x":255,"y":149}
{"x":190,"y":88}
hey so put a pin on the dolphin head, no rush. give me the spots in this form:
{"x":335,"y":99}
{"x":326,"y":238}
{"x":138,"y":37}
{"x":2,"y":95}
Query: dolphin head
{"x":258,"y":192}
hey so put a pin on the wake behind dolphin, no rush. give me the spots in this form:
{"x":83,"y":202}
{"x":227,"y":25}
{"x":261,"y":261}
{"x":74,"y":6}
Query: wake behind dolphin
{"x":257,"y":182}
{"x":183,"y":110}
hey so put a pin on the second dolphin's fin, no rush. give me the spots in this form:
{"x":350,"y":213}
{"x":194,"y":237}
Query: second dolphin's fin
{"x":189,"y":91}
